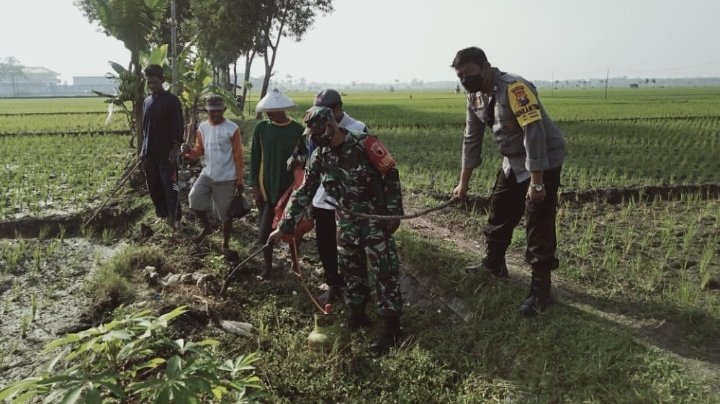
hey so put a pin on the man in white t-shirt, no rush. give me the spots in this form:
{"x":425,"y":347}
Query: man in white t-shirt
{"x":219,"y":142}
{"x":324,"y":213}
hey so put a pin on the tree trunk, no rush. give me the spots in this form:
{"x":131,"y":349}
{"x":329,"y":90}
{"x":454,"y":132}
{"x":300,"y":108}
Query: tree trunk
{"x":138,"y":103}
{"x":246,"y":77}
{"x":234,"y":86}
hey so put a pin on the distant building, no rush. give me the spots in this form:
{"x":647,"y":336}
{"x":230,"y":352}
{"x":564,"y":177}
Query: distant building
{"x":43,"y":82}
{"x":86,"y":84}
{"x":39,"y":76}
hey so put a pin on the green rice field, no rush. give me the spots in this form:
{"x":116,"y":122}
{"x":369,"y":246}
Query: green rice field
{"x":638,"y":317}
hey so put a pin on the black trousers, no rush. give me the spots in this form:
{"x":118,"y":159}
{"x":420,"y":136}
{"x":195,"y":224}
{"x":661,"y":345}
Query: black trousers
{"x":161,"y":177}
{"x":326,"y":236}
{"x":508,"y":203}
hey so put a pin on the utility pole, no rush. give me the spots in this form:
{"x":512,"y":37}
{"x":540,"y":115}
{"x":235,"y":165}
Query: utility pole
{"x":173,"y":46}
{"x":607,"y":77}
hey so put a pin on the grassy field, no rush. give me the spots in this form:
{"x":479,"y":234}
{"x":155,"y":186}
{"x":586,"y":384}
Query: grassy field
{"x":639,"y":282}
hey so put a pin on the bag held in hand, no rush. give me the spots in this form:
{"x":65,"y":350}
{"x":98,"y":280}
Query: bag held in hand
{"x":239,"y":206}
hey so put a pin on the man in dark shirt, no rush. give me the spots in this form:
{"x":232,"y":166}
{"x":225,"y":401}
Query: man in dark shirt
{"x":162,"y":135}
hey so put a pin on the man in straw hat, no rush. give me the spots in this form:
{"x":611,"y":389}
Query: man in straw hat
{"x":219,"y":142}
{"x":360,"y":174}
{"x":275,"y":141}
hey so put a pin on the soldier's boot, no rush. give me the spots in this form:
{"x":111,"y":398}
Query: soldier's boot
{"x":358,"y":319}
{"x":493,"y":266}
{"x":540,"y":297}
{"x":391,"y":336}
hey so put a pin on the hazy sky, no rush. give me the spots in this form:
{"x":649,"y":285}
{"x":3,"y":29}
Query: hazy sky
{"x":384,"y":40}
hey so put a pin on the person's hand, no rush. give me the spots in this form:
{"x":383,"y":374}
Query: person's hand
{"x":294,"y":161}
{"x":460,"y":191}
{"x":239,"y":186}
{"x":392,"y":225}
{"x":534,"y":195}
{"x":275,"y":237}
{"x":185,"y":148}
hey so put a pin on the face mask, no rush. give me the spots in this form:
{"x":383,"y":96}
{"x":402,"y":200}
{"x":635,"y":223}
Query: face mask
{"x":472,"y":82}
{"x":323,"y":139}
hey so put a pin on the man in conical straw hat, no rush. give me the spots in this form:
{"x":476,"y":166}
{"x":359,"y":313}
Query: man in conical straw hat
{"x":275,"y":141}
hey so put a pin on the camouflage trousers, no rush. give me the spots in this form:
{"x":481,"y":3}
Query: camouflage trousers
{"x":374,"y":260}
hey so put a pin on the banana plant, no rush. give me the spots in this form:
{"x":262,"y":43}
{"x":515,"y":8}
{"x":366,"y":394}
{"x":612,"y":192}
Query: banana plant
{"x":128,"y":87}
{"x":195,"y":83}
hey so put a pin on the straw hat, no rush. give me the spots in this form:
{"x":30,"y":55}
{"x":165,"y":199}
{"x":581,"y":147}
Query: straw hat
{"x":274,"y":101}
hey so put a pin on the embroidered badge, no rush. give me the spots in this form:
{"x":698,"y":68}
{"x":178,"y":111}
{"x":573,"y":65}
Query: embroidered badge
{"x":523,"y":103}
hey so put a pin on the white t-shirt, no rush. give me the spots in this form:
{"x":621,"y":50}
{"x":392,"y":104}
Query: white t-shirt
{"x":350,"y":124}
{"x":218,"y":150}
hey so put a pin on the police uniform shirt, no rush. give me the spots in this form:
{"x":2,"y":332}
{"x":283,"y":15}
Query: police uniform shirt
{"x":526,"y":136}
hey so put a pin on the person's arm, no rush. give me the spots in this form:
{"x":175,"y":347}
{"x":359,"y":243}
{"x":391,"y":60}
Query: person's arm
{"x":471,"y":150}
{"x":255,"y":157}
{"x":237,"y":150}
{"x":529,"y":118}
{"x":198,"y":150}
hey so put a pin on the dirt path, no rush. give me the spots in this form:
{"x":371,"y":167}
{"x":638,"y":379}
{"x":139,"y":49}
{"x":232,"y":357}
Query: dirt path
{"x":702,"y":361}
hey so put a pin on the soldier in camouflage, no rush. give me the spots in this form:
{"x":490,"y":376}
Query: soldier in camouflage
{"x":359,"y":173}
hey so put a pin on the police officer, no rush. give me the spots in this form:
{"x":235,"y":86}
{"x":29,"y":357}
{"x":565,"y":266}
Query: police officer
{"x":359,"y":173}
{"x":533,"y":151}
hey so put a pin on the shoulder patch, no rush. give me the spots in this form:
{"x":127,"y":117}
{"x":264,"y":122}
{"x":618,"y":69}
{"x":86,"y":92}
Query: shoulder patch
{"x":378,"y":154}
{"x":523,"y":103}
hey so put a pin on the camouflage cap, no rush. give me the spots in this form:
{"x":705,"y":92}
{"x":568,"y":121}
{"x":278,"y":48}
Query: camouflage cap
{"x":318,"y":116}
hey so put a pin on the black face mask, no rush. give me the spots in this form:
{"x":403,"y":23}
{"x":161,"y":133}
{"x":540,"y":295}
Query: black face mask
{"x":472,"y":82}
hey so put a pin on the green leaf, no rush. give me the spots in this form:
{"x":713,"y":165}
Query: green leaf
{"x":117,"y":335}
{"x":74,"y":394}
{"x":114,"y":388}
{"x":16,"y":387}
{"x":179,"y":311}
{"x":174,"y":365}
{"x":68,"y":339}
{"x":93,"y":396}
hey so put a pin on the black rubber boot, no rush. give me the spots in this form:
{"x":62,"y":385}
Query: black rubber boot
{"x":358,"y":319}
{"x":331,"y":295}
{"x":391,"y":336}
{"x":494,"y":267}
{"x":539,"y":298}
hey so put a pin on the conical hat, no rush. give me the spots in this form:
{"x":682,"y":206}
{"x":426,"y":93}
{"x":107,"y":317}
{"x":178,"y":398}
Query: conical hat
{"x":274,"y":101}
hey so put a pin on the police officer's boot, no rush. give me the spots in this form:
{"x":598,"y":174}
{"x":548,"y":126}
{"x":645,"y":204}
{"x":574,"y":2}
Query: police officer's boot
{"x":391,"y":336}
{"x":539,"y":298}
{"x":489,"y":265}
{"x":358,"y":319}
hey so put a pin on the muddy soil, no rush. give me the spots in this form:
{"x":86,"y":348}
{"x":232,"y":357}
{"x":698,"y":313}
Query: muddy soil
{"x":51,"y":274}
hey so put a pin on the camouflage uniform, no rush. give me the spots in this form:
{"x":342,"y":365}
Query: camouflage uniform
{"x":347,"y":175}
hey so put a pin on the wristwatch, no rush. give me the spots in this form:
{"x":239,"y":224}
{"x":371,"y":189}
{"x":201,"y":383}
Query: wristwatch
{"x":538,"y":187}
